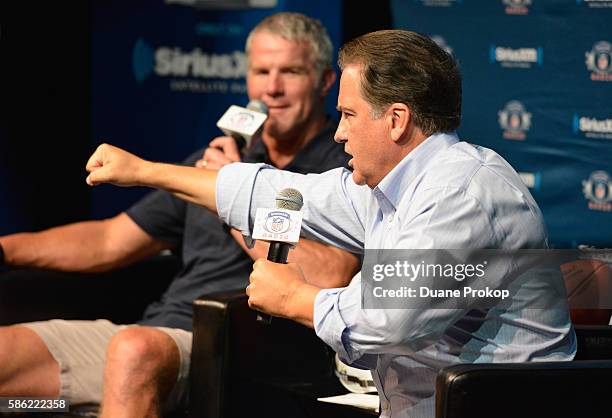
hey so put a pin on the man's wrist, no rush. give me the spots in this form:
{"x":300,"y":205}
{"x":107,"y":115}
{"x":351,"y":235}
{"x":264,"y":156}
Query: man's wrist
{"x":301,"y":306}
{"x":144,"y":172}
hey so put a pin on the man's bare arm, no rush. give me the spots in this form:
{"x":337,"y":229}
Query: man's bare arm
{"x":91,"y":246}
{"x":323,"y":266}
{"x":110,"y":164}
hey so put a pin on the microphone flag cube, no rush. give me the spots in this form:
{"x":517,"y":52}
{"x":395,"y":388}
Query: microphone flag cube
{"x":241,"y":121}
{"x":280,"y":225}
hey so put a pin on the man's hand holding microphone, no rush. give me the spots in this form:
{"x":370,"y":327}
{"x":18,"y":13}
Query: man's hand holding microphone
{"x":281,"y":290}
{"x":221,"y":151}
{"x":241,"y":126}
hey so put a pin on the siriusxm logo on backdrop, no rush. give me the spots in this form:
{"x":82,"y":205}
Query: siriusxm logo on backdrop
{"x":592,"y":127}
{"x":173,"y":61}
{"x":597,"y":189}
{"x":441,"y":42}
{"x":599,"y":61}
{"x":514,"y":120}
{"x":595,"y":3}
{"x":516,"y":7}
{"x":515,"y":57}
{"x":531,"y":180}
{"x":195,"y":71}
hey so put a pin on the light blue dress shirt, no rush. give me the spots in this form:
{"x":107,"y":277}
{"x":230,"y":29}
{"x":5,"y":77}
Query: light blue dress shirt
{"x":446,"y":194}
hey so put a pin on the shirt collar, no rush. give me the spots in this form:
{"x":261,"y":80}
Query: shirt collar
{"x":310,"y":153}
{"x":393,"y":186}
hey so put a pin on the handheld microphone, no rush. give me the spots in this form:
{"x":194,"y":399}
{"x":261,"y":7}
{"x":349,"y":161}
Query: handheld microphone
{"x":288,"y":200}
{"x":243,"y":123}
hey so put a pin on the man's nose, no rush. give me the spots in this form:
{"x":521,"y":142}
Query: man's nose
{"x":274,"y":86}
{"x":340,"y":135}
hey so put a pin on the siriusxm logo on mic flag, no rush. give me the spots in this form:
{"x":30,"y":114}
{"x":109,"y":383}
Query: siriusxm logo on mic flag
{"x":277,"y":225}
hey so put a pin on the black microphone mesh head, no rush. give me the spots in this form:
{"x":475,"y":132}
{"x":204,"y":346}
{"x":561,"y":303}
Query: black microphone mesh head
{"x":289,"y":199}
{"x":258,"y":106}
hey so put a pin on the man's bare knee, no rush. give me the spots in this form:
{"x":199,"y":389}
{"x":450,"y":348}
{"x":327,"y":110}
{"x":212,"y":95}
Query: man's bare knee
{"x":28,"y":368}
{"x":138,"y":355}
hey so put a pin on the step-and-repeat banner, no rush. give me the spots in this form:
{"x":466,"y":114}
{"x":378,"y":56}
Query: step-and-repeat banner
{"x":537,"y":89}
{"x":163,"y":73}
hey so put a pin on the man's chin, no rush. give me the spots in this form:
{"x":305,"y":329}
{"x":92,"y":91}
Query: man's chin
{"x":358,"y":178}
{"x":278,"y":132}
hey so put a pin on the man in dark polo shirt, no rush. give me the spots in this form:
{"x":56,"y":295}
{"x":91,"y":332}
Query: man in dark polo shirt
{"x":212,"y":258}
{"x":136,"y":371}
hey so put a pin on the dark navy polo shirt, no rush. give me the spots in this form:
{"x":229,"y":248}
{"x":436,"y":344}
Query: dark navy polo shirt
{"x":212,"y":260}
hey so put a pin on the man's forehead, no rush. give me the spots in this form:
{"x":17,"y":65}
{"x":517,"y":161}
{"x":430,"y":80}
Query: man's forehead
{"x":265,"y":39}
{"x":353,"y":70}
{"x":350,"y":79}
{"x":287,"y":54}
{"x":350,"y":93}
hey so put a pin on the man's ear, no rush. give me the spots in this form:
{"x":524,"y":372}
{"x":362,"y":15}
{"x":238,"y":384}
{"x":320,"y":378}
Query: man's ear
{"x":328,"y":77}
{"x":399,"y":116}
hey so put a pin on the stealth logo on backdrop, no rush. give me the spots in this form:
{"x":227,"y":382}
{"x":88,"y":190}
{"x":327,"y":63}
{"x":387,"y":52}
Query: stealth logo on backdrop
{"x":225,"y":4}
{"x":219,"y":29}
{"x":515,"y":57}
{"x":514,"y":120}
{"x":599,"y":61}
{"x":438,"y":3}
{"x":517,"y":7}
{"x":597,"y":189}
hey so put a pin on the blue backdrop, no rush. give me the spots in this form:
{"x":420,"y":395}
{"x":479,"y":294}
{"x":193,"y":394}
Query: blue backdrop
{"x":158,"y":74}
{"x":537,"y":89}
{"x":163,"y":74}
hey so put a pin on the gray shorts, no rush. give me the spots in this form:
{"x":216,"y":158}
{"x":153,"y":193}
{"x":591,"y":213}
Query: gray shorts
{"x":79,"y":347}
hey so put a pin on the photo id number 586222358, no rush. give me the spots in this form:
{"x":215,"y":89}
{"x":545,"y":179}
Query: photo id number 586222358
{"x":28,"y":404}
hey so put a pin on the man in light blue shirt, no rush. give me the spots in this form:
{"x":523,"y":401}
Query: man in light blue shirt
{"x":414,"y":185}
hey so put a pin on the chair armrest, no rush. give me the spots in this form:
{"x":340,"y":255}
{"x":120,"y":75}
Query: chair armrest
{"x":594,"y":342}
{"x":210,"y":353}
{"x":231,"y":350}
{"x":555,"y":389}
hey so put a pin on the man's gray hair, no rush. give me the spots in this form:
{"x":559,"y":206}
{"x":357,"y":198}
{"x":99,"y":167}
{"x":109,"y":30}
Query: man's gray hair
{"x":297,"y":27}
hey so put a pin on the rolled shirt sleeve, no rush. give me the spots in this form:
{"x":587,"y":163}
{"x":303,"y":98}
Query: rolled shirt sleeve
{"x":356,"y":334}
{"x":334,"y":206}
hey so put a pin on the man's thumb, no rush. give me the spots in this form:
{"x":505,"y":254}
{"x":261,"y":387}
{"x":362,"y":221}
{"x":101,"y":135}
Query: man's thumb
{"x":94,"y":178}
